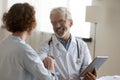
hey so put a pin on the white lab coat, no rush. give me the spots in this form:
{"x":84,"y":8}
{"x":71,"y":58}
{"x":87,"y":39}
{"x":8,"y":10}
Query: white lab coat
{"x":18,"y":61}
{"x":66,"y":63}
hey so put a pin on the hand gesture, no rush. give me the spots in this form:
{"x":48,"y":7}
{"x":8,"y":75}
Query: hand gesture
{"x":49,"y":63}
{"x":91,"y":75}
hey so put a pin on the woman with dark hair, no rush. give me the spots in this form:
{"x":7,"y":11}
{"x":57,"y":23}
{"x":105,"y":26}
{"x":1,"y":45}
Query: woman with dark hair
{"x":18,"y":61}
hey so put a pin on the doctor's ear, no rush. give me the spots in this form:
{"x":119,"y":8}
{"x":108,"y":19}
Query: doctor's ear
{"x":71,"y":22}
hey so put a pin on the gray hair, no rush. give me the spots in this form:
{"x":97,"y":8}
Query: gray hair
{"x":61,"y":10}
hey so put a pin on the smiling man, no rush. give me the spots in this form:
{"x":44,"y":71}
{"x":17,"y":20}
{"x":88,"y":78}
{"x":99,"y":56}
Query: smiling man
{"x":71,"y":54}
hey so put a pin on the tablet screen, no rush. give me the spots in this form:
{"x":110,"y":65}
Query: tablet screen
{"x":96,"y":63}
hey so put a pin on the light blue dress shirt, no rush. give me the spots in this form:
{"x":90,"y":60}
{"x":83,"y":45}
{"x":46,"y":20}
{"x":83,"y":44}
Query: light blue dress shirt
{"x":68,"y":64}
{"x":18,"y":61}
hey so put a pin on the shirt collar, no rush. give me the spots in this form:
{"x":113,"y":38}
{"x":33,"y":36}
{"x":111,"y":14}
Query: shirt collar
{"x":71,"y":40}
{"x":17,"y":38}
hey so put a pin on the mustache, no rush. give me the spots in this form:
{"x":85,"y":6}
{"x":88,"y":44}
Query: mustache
{"x":59,"y":28}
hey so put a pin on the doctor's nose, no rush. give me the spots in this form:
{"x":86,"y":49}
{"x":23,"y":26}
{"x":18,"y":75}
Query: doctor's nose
{"x":56,"y":24}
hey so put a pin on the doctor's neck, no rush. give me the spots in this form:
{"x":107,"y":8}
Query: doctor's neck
{"x":66,"y":37}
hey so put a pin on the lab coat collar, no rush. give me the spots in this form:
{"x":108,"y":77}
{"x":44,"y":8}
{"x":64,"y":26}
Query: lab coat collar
{"x":57,"y":42}
{"x":73,"y":43}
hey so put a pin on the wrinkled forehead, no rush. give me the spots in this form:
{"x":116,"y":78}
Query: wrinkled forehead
{"x":58,"y":16}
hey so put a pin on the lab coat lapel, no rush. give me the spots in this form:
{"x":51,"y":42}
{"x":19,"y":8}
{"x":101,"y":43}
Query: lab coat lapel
{"x":59,"y":45}
{"x":72,"y":46}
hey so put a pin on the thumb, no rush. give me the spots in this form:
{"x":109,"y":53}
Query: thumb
{"x":94,"y":72}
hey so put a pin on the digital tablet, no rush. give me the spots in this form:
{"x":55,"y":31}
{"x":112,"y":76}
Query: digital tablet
{"x":96,"y":63}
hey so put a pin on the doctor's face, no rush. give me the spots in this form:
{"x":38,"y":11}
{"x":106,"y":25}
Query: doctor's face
{"x":61,"y":25}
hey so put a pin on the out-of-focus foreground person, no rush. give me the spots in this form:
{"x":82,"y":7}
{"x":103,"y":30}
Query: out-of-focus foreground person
{"x":18,"y":61}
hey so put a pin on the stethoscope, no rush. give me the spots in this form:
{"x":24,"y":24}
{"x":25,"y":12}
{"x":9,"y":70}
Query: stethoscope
{"x":78,"y":61}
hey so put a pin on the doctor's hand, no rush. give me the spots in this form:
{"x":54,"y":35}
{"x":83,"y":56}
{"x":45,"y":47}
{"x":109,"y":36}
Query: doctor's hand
{"x":91,"y":76}
{"x":49,"y":63}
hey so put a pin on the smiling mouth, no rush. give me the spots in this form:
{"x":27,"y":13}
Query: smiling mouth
{"x":60,"y":30}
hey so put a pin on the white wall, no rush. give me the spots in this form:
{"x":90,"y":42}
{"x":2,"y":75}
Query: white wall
{"x":3,"y":8}
{"x":107,"y":36}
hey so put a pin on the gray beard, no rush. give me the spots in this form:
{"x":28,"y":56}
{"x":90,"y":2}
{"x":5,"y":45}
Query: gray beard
{"x":65,"y":32}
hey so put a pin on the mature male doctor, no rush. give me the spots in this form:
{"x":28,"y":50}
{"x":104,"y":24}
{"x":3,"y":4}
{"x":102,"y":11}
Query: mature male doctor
{"x":71,"y":54}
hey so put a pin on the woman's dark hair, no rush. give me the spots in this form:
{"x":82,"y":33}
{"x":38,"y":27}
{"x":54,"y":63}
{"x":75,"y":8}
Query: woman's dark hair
{"x":20,"y":17}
